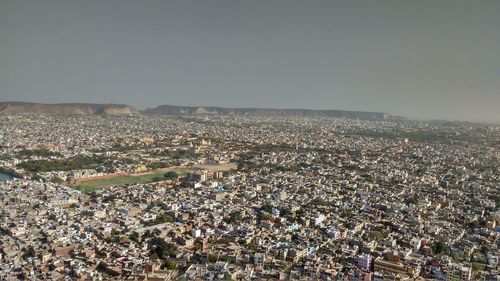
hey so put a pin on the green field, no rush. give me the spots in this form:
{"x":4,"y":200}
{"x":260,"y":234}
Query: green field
{"x":91,"y":185}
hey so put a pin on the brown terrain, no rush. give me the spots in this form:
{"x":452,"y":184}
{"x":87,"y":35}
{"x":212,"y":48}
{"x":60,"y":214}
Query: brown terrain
{"x":66,"y":108}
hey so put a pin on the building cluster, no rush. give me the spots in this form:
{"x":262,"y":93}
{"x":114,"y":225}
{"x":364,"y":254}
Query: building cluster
{"x":308,"y":198}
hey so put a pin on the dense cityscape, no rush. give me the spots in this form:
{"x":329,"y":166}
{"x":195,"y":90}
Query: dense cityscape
{"x":236,"y":197}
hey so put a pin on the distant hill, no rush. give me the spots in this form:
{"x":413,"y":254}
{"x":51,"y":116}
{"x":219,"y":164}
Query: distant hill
{"x":193,"y":110}
{"x":121,"y":109}
{"x":65,"y":108}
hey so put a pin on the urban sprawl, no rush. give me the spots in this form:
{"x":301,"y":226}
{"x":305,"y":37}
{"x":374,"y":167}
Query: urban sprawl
{"x":234,"y":197}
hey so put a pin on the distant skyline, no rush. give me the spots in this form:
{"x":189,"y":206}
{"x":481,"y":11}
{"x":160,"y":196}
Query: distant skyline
{"x":422,"y":59}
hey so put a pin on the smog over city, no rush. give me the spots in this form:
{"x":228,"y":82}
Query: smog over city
{"x":250,"y":140}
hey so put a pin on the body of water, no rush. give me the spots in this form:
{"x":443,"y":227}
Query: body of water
{"x":4,"y":177}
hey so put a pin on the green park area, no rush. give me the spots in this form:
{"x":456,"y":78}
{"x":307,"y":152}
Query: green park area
{"x":93,"y":184}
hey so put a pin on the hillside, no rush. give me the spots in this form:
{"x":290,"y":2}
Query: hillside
{"x":189,"y":110}
{"x":65,"y":108}
{"x":121,"y":109}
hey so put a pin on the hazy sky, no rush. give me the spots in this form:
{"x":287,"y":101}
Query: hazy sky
{"x":419,"y":58}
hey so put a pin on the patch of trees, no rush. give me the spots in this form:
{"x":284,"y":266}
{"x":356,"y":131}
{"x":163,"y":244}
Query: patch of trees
{"x":485,"y":248}
{"x":72,"y":163}
{"x":456,"y":256}
{"x":238,"y":201}
{"x":158,"y":165}
{"x":165,"y":218}
{"x":319,"y":202}
{"x":439,"y":247}
{"x":57,"y":180}
{"x":161,"y":249}
{"x":233,"y":217}
{"x":170,"y":265}
{"x":377,"y":235}
{"x":265,"y":217}
{"x":212,"y":258}
{"x":174,"y":154}
{"x":109,"y":198}
{"x":121,"y":148}
{"x":37,"y":152}
{"x":285,"y":212}
{"x":477,"y":266}
{"x":346,"y":213}
{"x":186,"y":184}
{"x":171,"y":175}
{"x":266,"y":208}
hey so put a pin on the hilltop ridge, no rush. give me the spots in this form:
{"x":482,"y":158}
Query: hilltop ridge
{"x":190,"y":110}
{"x":13,"y":107}
{"x":66,"y":108}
